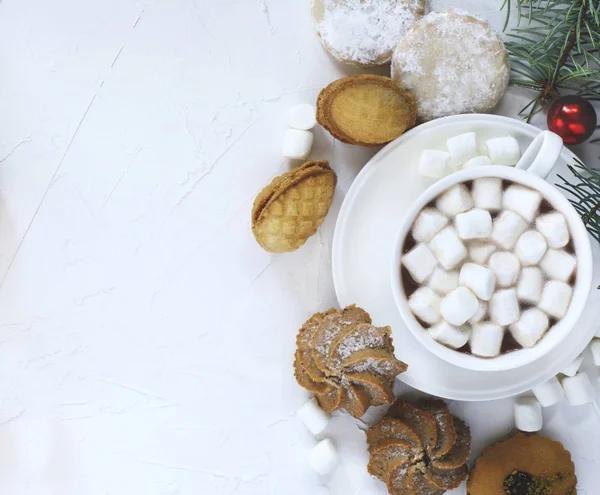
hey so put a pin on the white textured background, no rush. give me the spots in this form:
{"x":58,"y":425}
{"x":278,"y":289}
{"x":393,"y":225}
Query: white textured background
{"x":146,"y":341}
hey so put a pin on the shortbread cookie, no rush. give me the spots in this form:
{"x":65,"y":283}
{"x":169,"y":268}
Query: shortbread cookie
{"x":366,"y":110}
{"x":364,"y":32}
{"x":290,"y":209}
{"x":453,"y":63}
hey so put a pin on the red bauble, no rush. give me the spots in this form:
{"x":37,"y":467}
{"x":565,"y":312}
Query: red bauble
{"x":573,"y":118}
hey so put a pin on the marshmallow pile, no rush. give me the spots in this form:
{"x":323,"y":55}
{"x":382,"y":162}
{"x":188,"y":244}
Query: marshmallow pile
{"x":298,"y":139}
{"x":463,"y":153}
{"x":323,"y":458}
{"x":483,"y":253}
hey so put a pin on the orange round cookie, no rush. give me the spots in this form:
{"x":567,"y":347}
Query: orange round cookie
{"x":523,"y":465}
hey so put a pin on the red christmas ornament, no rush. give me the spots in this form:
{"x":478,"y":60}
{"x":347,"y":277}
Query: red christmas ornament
{"x":573,"y":118}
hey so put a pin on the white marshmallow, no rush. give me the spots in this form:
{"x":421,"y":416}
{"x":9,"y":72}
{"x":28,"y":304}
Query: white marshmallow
{"x":433,"y":163}
{"x":420,"y":263}
{"x":478,"y":161}
{"x":442,"y":281}
{"x":479,"y":314}
{"x":530,"y":328}
{"x":573,"y":368}
{"x":323,"y":457}
{"x":458,"y":306}
{"x":428,"y":223}
{"x":529,"y":288}
{"x":522,"y":200}
{"x":302,"y":117}
{"x":506,"y":267}
{"x":528,"y":414}
{"x":462,"y":148}
{"x":595,"y":349}
{"x":455,"y":200}
{"x":558,"y":264}
{"x":479,"y":279}
{"x":504,"y":150}
{"x":448,"y":248}
{"x":448,"y":335}
{"x":297,"y":144}
{"x":553,"y":227}
{"x":486,"y":339}
{"x":487,"y":193}
{"x":425,"y":304}
{"x":313,"y":417}
{"x":531,"y":247}
{"x":556,"y":298}
{"x":549,"y":393}
{"x":507,"y":229}
{"x":480,"y":252}
{"x":504,"y":307}
{"x":578,"y":389}
{"x":474,"y":224}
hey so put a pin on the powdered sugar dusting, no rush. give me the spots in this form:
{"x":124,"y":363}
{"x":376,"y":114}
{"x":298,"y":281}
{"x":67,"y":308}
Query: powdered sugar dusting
{"x":453,"y":63}
{"x":381,"y":366}
{"x":366,"y":31}
{"x":358,"y":341}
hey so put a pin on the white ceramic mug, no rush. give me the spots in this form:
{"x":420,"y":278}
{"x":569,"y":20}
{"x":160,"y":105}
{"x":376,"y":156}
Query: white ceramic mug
{"x":535,"y":165}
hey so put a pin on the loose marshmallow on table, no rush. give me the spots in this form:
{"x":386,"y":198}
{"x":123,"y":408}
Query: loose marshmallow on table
{"x":442,"y":281}
{"x":458,"y":306}
{"x":425,"y":304}
{"x":462,"y":148}
{"x":451,"y":336}
{"x":553,"y":227}
{"x":549,"y":393}
{"x":531,"y":247}
{"x":433,"y":163}
{"x":503,"y":150}
{"x":313,"y":417}
{"x":556,"y":298}
{"x":573,"y":368}
{"x":505,"y":267}
{"x":486,"y":339}
{"x":530,"y":328}
{"x":578,"y":389}
{"x":504,"y":307}
{"x":507,"y":229}
{"x":531,"y":282}
{"x":595,"y":349}
{"x":480,"y":252}
{"x":455,"y":200}
{"x":523,"y":201}
{"x":323,"y":457}
{"x":479,"y":279}
{"x":448,"y":248}
{"x":558,"y":264}
{"x":302,"y":117}
{"x":478,"y":161}
{"x":479,"y":314}
{"x":420,"y":263}
{"x":297,"y":144}
{"x":487,"y":193}
{"x":474,"y":224}
{"x":428,"y":223}
{"x":528,"y":414}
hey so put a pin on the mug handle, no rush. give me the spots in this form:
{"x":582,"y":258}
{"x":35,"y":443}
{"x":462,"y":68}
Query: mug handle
{"x":542,"y":154}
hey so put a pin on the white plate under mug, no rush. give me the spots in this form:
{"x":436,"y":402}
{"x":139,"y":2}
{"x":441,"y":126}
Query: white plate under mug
{"x":362,"y":250}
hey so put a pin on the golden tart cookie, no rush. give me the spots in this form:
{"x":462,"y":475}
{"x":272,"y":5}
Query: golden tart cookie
{"x":419,"y":448}
{"x":366,"y":110}
{"x":523,"y":465}
{"x":293,"y":206}
{"x":347,"y":362}
{"x":364,"y":32}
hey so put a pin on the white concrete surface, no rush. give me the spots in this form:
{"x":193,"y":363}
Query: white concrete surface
{"x":146,"y":340}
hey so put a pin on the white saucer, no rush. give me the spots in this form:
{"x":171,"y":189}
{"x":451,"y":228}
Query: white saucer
{"x":362,"y":248}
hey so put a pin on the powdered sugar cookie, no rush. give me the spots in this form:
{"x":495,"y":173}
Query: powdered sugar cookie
{"x":452,"y":63}
{"x":364,"y":32}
